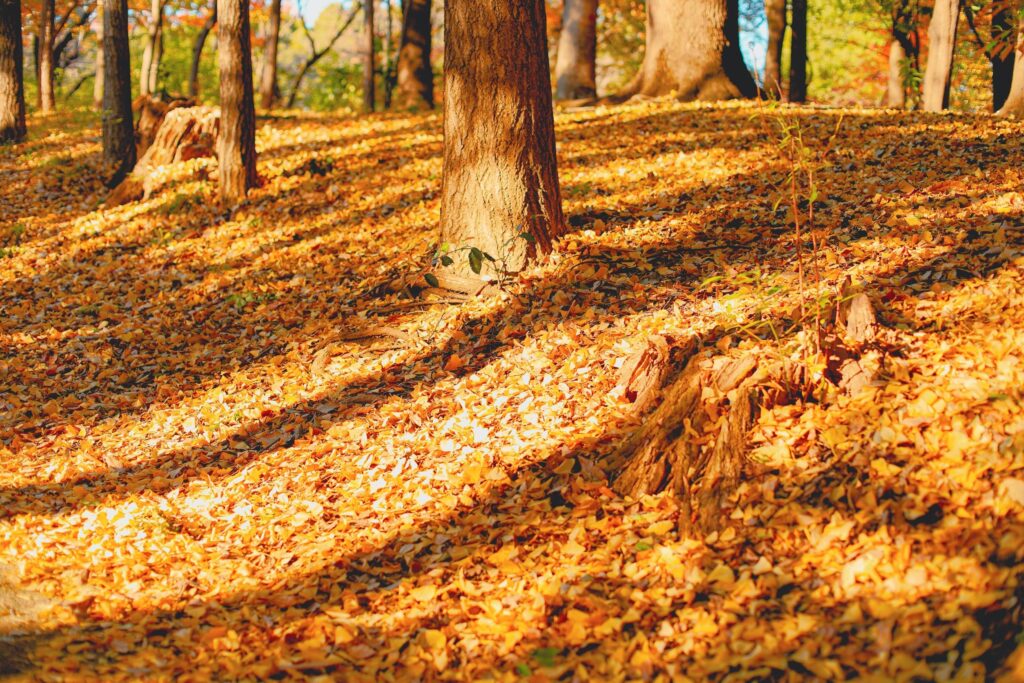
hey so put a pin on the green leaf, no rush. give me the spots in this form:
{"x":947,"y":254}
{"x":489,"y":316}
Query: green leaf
{"x":447,"y":260}
{"x":522,"y":669}
{"x":642,"y":546}
{"x":476,"y":260}
{"x":489,"y":257}
{"x":432,"y":280}
{"x":545,"y":656}
{"x":528,"y":237}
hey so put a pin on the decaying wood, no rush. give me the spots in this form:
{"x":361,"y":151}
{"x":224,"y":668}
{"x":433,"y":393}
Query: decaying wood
{"x":859,"y":320}
{"x":151,"y":111}
{"x":643,"y":374}
{"x":186,"y":133}
{"x":847,"y":361}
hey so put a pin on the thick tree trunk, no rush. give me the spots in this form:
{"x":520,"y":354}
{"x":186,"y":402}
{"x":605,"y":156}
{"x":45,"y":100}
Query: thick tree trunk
{"x":197,"y":50}
{"x":798,"y":53}
{"x":118,"y":131}
{"x":268,"y":79}
{"x":237,"y":142}
{"x":500,"y":175}
{"x":415,"y":87}
{"x":46,"y":94}
{"x":576,"y":66}
{"x":1014,"y":104}
{"x":1003,"y":24}
{"x":97,"y":84}
{"x":941,"y":43}
{"x":369,"y":57}
{"x":693,"y":50}
{"x":12,"y":88}
{"x":775,"y":13}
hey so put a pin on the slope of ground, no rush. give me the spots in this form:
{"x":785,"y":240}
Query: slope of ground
{"x":211,"y":475}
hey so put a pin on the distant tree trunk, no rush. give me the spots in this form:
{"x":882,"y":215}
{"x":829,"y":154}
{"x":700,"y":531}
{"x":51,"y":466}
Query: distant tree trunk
{"x":97,"y":84}
{"x":798,"y":53}
{"x":576,"y":67}
{"x":693,"y":50}
{"x":369,"y":57}
{"x":150,"y":53}
{"x":775,"y":13}
{"x":316,"y":54}
{"x":197,"y":50}
{"x":941,"y":42}
{"x":46,"y":94}
{"x":902,"y":49}
{"x":268,"y":79}
{"x":1014,"y":104}
{"x":500,"y":178}
{"x":237,"y":143}
{"x":388,"y":67}
{"x":415,"y":87}
{"x":1003,"y":25}
{"x":118,"y":131}
{"x":12,"y":88}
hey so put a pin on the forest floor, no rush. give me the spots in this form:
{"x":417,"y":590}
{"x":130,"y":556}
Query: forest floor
{"x":205,"y":472}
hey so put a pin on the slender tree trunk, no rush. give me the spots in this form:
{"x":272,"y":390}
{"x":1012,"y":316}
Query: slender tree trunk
{"x":369,"y":57}
{"x":118,"y":131}
{"x":158,"y":55}
{"x":12,"y":87}
{"x":798,"y":53}
{"x":268,"y":79}
{"x":941,"y":43}
{"x":237,"y":143}
{"x":1014,"y":104}
{"x":415,"y":87}
{"x":500,"y":176}
{"x":149,"y":52}
{"x":902,"y":49}
{"x":97,"y":84}
{"x":46,"y":94}
{"x":895,"y":92}
{"x":1003,"y":24}
{"x":693,"y":50}
{"x":197,"y":50}
{"x":775,"y":13}
{"x":576,"y":66}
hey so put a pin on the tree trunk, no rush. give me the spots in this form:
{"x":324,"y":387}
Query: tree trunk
{"x":149,"y":52}
{"x":118,"y":131}
{"x":97,"y":84}
{"x":415,"y":87}
{"x":388,"y":30}
{"x":237,"y":141}
{"x":775,"y":13}
{"x":693,"y":50}
{"x":1014,"y":104}
{"x":369,"y":57}
{"x":12,"y":88}
{"x":895,"y":92}
{"x":197,"y":50}
{"x":46,"y":94}
{"x":268,"y":79}
{"x":798,"y":53}
{"x":1003,"y":24}
{"x":941,"y":43}
{"x":500,"y":177}
{"x":158,"y":55}
{"x":576,"y":68}
{"x":901,"y":50}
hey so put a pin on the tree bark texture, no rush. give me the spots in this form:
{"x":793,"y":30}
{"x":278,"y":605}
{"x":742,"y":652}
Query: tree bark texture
{"x":118,"y":131}
{"x":97,"y":84}
{"x":1003,"y":24}
{"x":268,"y":79}
{"x":1014,"y":104}
{"x":197,"y":50}
{"x":47,"y":102}
{"x":237,"y":140}
{"x":415,"y":86}
{"x":693,"y":50}
{"x":12,"y":87}
{"x":576,"y":66}
{"x":500,"y":176}
{"x":798,"y":53}
{"x":775,"y":13}
{"x":369,"y":57}
{"x":941,"y":43}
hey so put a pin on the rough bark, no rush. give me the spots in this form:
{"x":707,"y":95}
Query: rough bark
{"x":237,"y":142}
{"x":576,"y":66}
{"x":693,"y":50}
{"x":1002,"y":56}
{"x":197,"y":50}
{"x":500,"y":176}
{"x":12,"y":88}
{"x":118,"y":132}
{"x":798,"y":53}
{"x":415,"y":86}
{"x":775,"y":13}
{"x":268,"y":79}
{"x":369,"y":57}
{"x":1014,"y":104}
{"x":941,"y":43}
{"x":47,"y":102}
{"x":97,"y":84}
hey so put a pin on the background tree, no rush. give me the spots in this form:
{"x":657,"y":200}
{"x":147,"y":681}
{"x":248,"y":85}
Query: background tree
{"x":775,"y":15}
{"x":798,"y":53}
{"x":576,"y":65}
{"x":45,"y":57}
{"x":151,"y":54}
{"x":369,"y":57}
{"x":692,"y":49}
{"x":903,"y":53}
{"x":1001,"y":51}
{"x":500,"y":174}
{"x":197,"y":50}
{"x":316,"y":54}
{"x":97,"y":84}
{"x":12,"y":88}
{"x":236,"y":153}
{"x":941,"y":44}
{"x":118,"y":132}
{"x":1014,"y":104}
{"x":415,"y":79}
{"x":268,"y":78}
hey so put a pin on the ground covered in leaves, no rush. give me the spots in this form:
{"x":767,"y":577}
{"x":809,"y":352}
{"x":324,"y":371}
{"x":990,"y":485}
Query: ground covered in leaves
{"x":230,"y":449}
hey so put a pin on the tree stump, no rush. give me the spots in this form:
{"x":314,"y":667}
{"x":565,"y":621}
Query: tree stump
{"x":151,"y":111}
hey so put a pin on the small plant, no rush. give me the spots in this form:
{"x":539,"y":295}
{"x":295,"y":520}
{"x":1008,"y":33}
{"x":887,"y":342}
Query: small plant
{"x":476,"y":258}
{"x":242,"y":299}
